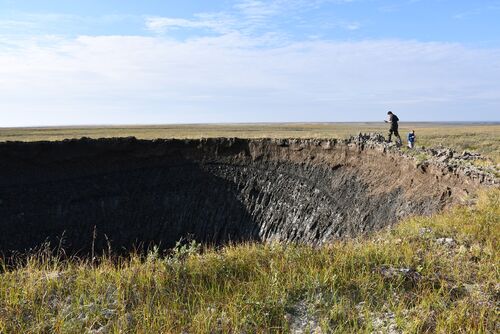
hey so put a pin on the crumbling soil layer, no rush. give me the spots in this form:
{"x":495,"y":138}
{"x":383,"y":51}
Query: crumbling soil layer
{"x":129,"y":193}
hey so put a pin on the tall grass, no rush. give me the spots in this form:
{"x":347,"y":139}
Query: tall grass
{"x":428,"y":274}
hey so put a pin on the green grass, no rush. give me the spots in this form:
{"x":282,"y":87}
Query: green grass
{"x":484,"y":139}
{"x":254,"y":288}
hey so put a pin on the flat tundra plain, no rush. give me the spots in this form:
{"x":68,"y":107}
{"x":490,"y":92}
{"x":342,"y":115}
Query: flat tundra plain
{"x":480,"y":137}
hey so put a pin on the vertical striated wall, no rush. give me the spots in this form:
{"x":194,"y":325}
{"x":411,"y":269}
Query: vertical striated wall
{"x":138,"y":192}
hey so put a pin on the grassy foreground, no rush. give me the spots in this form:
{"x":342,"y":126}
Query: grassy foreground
{"x":428,"y":274}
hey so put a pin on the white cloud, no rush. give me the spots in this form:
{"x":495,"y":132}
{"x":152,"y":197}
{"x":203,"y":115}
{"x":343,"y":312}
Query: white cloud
{"x":232,"y":77}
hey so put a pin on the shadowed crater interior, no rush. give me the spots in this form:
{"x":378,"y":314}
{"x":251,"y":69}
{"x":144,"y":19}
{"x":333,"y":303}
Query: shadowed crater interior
{"x":138,"y":192}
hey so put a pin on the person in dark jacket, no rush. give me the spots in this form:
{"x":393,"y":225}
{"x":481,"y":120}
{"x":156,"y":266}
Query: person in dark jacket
{"x":393,"y":120}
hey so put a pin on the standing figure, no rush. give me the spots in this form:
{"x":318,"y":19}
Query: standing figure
{"x":411,"y":139}
{"x":393,"y":120}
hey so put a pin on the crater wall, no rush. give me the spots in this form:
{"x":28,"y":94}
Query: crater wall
{"x":131,"y":192}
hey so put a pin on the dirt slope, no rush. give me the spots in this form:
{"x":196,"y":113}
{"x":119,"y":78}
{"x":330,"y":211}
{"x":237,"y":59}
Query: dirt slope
{"x":138,"y":192}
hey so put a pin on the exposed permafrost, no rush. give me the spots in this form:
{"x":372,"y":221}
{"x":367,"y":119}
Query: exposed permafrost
{"x":137,"y":192}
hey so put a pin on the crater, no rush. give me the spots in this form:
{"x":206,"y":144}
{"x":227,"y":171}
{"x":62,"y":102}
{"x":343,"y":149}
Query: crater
{"x":132,"y":193}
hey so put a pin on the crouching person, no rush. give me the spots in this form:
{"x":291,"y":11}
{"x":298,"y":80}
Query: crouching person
{"x":411,"y":139}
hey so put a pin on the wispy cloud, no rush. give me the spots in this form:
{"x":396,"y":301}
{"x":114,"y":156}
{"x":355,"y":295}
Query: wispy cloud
{"x":217,"y":22}
{"x":132,"y":79}
{"x":466,"y":14}
{"x":250,"y":17}
{"x":478,"y":10}
{"x":259,"y":10}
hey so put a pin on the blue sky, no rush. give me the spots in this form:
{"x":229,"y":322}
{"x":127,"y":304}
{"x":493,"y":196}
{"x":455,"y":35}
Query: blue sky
{"x":128,"y":62}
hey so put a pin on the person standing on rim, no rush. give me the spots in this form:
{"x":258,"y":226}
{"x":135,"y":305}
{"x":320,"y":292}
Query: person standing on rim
{"x":393,"y":119}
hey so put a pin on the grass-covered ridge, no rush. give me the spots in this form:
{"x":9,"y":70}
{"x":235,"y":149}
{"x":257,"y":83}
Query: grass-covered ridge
{"x":428,"y":274}
{"x":481,"y":138}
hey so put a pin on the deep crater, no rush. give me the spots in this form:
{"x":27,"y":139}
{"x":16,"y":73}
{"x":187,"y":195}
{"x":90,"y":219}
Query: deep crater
{"x":131,"y":193}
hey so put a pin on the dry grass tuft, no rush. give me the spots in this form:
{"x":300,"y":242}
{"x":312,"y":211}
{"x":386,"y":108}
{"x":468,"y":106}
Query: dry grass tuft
{"x":429,"y":274}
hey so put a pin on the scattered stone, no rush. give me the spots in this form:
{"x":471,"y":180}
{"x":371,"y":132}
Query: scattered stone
{"x":381,"y":322}
{"x":406,"y":273}
{"x":449,"y":242}
{"x":108,"y":313}
{"x":385,"y":323}
{"x":443,"y":158}
{"x":301,"y":321}
{"x":424,"y":230}
{"x":451,"y":161}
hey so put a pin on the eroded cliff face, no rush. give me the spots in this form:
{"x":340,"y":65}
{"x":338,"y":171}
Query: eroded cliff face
{"x":137,"y":192}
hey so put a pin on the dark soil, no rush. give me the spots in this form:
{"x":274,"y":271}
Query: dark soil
{"x":139,"y":192}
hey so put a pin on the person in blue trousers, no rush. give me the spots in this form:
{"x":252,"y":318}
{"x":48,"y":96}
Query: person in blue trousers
{"x":411,"y":139}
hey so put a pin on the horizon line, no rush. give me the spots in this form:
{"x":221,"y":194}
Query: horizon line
{"x":236,"y":123}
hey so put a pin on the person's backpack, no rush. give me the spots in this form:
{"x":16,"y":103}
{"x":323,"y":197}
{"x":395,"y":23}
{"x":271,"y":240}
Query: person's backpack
{"x":396,"y":119}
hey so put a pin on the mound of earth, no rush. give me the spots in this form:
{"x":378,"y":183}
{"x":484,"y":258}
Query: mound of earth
{"x":130,"y":192}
